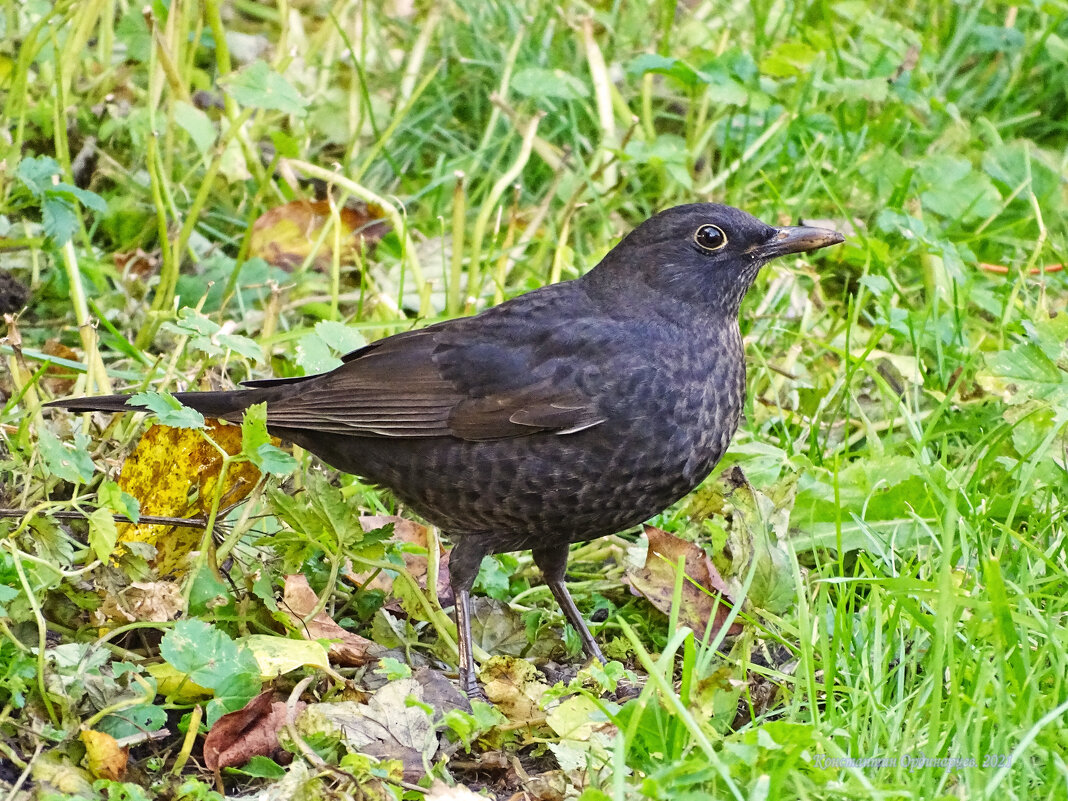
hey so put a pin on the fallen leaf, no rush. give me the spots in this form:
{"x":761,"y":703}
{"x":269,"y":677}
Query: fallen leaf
{"x":515,"y":687}
{"x":439,"y":692}
{"x":348,"y":650}
{"x":173,"y":472}
{"x":759,"y":522}
{"x":577,"y":718}
{"x":57,"y":379}
{"x":103,"y":755}
{"x":285,"y":235}
{"x":278,"y":655}
{"x":550,"y":785}
{"x":137,"y":262}
{"x":153,"y":601}
{"x":704,"y":592}
{"x":252,"y":731}
{"x":53,"y":771}
{"x":439,"y":791}
{"x":386,"y":727}
{"x":175,"y":685}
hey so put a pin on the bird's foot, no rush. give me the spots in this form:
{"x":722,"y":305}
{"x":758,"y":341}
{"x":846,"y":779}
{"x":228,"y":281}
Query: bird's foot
{"x":470,"y":687}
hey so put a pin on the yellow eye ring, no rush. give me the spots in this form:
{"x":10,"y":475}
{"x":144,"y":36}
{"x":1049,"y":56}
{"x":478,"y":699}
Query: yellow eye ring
{"x":710,"y":238}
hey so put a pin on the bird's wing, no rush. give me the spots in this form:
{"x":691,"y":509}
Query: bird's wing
{"x":490,"y":380}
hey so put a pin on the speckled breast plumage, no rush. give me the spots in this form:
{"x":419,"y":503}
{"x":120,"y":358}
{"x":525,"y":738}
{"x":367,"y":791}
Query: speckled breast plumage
{"x":667,"y":424}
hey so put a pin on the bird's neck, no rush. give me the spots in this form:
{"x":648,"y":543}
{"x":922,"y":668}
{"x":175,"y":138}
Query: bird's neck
{"x":685,"y":294}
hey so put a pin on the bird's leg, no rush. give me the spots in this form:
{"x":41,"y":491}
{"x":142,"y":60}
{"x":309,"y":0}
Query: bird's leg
{"x":552,"y":561}
{"x":464,"y":561}
{"x":468,"y":682}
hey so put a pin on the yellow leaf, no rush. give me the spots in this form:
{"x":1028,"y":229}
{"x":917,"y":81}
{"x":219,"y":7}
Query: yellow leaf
{"x":278,"y":655}
{"x":173,"y":472}
{"x":103,"y":756}
{"x":174,"y":685}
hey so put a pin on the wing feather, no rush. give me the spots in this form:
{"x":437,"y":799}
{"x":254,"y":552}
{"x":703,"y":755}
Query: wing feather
{"x":493,"y":380}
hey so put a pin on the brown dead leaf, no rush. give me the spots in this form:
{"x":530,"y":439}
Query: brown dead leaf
{"x":348,"y":650}
{"x":551,"y":785}
{"x":173,"y":472}
{"x":253,"y":731}
{"x":103,"y":755}
{"x":515,"y":687}
{"x":137,"y":262}
{"x":285,"y":235}
{"x":656,"y":581}
{"x":387,"y":727}
{"x":415,"y":563}
{"x":155,"y":601}
{"x":57,"y":380}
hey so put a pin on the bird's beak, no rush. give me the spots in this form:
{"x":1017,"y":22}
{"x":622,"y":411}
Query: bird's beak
{"x":798,"y":239}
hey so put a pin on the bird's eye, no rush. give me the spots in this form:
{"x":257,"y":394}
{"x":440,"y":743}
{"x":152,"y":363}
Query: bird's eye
{"x":709,"y":238}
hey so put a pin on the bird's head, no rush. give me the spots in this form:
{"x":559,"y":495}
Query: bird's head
{"x":701,"y":254}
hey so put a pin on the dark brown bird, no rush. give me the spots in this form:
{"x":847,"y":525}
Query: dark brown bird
{"x":568,"y":413}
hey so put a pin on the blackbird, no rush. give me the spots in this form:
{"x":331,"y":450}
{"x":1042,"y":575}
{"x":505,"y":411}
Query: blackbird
{"x":568,"y":413}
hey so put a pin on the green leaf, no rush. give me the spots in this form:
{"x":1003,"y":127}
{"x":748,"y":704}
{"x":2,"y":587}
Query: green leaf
{"x":997,"y":39}
{"x":59,"y":215}
{"x":665,"y":149}
{"x":393,"y":669}
{"x":240,"y":685}
{"x":59,"y":219}
{"x":324,"y":514}
{"x":197,"y":124}
{"x":1025,"y":373}
{"x":315,"y":355}
{"x":36,"y":173}
{"x":788,"y":59}
{"x":242,"y":345}
{"x":7,"y":594}
{"x":756,"y":524}
{"x":875,"y":90}
{"x":727,"y":92}
{"x":670,"y":66}
{"x":1016,"y":164}
{"x":1057,"y":48}
{"x":211,"y":659}
{"x":258,"y":86}
{"x":540,"y":83}
{"x":285,"y":145}
{"x":254,"y":429}
{"x":191,"y":322}
{"x":168,"y":410}
{"x":133,"y":721}
{"x":956,"y":191}
{"x":340,"y":337}
{"x":260,"y":767}
{"x":89,"y":199}
{"x":272,"y":459}
{"x":111,"y":496}
{"x":103,"y":534}
{"x":469,"y":725}
{"x":132,"y":31}
{"x":64,"y":460}
{"x":256,"y":443}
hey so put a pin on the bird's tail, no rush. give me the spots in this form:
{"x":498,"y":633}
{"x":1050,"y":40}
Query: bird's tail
{"x":223,"y":405}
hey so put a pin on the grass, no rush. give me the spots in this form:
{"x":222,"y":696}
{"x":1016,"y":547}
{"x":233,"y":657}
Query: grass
{"x":908,"y":392}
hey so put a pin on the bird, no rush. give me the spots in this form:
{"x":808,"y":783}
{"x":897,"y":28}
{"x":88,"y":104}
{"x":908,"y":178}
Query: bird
{"x":571,"y":412}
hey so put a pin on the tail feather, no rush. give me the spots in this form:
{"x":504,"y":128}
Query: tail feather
{"x":223,"y":405}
